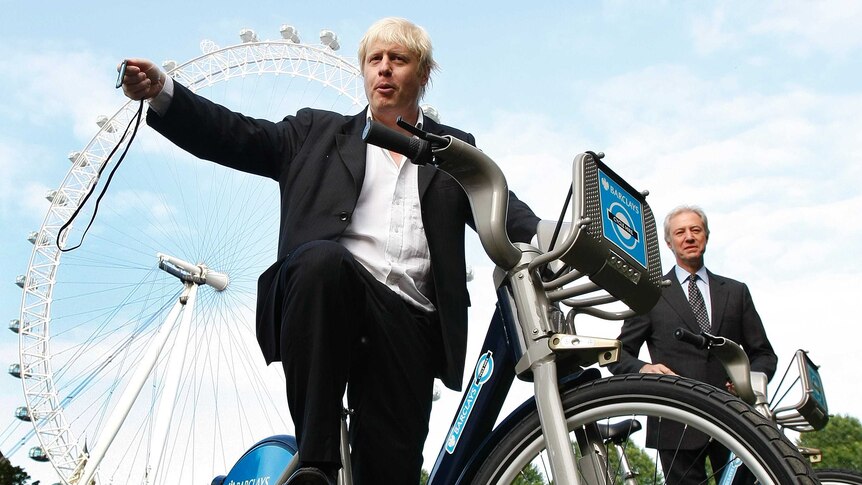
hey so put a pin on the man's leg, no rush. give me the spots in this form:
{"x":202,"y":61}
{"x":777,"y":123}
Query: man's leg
{"x":683,"y":467}
{"x":322,"y":299}
{"x":340,"y":324}
{"x":390,"y":391}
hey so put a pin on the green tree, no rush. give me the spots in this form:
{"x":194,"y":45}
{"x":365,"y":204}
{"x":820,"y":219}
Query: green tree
{"x":840,"y":442}
{"x":639,"y":462}
{"x":530,"y":475}
{"x":10,"y":474}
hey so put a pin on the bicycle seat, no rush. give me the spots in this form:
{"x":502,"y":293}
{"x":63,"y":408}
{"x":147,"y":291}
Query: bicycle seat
{"x":618,"y":433}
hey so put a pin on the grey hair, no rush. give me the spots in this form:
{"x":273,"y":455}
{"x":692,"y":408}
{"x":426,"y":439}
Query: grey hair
{"x":679,"y":210}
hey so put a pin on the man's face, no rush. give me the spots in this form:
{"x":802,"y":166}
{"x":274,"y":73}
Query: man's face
{"x":687,"y":239}
{"x":392,"y":80}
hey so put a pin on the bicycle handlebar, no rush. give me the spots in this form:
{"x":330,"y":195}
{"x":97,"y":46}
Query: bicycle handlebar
{"x":385,"y":137}
{"x":699,"y":341}
{"x":732,"y":358}
{"x":481,"y":179}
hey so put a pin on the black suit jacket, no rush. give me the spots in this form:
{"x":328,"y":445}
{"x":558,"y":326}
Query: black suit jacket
{"x":318,"y":159}
{"x":733,"y":316}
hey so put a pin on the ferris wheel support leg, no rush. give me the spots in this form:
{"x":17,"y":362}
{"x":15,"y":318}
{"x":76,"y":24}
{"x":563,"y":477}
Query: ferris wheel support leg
{"x":124,"y":405}
{"x":174,"y":374}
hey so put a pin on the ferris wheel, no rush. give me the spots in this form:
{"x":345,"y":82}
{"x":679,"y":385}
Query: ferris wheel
{"x":89,"y":328}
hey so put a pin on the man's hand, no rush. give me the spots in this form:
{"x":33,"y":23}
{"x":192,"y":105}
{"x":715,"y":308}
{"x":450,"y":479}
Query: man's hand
{"x":730,"y":387}
{"x":143,"y":79}
{"x":656,"y":369}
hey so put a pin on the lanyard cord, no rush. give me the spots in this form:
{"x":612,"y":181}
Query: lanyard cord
{"x":136,"y":119}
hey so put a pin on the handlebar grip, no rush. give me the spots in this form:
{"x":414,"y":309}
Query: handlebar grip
{"x":692,"y":338}
{"x":385,"y":137}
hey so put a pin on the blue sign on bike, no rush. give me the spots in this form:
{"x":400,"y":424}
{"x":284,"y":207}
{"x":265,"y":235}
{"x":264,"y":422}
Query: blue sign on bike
{"x":484,"y":369}
{"x":817,"y":387}
{"x":622,"y":219}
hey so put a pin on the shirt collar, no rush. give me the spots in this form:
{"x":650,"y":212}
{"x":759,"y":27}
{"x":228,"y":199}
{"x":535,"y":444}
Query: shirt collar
{"x":420,"y":120}
{"x":682,"y":275}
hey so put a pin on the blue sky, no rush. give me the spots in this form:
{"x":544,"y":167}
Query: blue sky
{"x":749,"y":109}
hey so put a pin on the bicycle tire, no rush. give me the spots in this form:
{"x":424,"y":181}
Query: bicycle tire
{"x":837,"y":476}
{"x":766,"y":451}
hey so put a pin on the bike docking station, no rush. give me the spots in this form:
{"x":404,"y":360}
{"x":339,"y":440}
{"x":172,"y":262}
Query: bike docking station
{"x":613,"y":244}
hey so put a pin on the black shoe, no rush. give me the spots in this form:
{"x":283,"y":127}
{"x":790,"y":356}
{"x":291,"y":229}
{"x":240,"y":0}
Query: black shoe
{"x":310,"y":476}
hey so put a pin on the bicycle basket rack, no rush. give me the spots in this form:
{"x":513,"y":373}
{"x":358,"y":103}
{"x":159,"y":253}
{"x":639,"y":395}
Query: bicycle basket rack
{"x":613,"y":238}
{"x":810,"y":413}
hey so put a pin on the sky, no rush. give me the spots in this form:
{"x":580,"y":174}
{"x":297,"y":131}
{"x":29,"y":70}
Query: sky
{"x":747,"y":109}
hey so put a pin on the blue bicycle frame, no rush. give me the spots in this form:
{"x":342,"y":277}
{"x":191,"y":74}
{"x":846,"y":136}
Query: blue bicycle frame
{"x":472,"y":434}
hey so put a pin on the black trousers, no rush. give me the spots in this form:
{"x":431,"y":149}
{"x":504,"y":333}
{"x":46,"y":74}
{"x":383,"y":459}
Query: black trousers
{"x":341,"y":328}
{"x":688,"y":467}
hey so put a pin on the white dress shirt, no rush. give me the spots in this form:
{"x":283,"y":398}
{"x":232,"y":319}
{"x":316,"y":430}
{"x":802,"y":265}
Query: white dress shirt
{"x":386,"y":234}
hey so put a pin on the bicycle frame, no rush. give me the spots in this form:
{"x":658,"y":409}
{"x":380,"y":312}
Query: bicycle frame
{"x":611,"y":239}
{"x":470,"y":437}
{"x":526,"y":303}
{"x":472,"y":433}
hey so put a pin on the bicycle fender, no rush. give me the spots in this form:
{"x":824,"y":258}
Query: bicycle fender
{"x":263,"y":462}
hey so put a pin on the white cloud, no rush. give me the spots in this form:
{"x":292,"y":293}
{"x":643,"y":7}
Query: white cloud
{"x":44,"y":83}
{"x":49,"y":82}
{"x":801,"y":28}
{"x":806,"y":28}
{"x":535,"y":156}
{"x":700,"y":133}
{"x":18,"y":195}
{"x":816,"y":316}
{"x":711,"y":32}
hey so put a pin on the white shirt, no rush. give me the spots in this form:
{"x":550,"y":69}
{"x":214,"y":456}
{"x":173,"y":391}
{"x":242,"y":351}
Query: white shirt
{"x":702,"y":285}
{"x":160,"y":102}
{"x":386,"y":234}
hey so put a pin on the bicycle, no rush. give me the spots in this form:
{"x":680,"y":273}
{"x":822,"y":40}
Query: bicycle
{"x":809,"y":413}
{"x":608,"y":254}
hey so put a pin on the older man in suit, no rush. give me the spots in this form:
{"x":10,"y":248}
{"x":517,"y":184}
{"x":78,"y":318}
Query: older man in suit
{"x":369,"y":291}
{"x":697,"y":300}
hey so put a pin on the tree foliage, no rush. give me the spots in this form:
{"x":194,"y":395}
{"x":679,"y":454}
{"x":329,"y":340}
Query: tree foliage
{"x":640,"y":463}
{"x":639,"y":460}
{"x":11,"y":474}
{"x":840,"y":442}
{"x":530,"y":475}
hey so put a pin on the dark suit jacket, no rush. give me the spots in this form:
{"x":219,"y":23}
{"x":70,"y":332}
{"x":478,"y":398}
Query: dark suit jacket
{"x":733,"y":316}
{"x":318,"y":159}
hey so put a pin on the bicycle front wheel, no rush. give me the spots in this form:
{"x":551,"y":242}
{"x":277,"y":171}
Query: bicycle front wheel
{"x":838,"y":476}
{"x":520,"y":455}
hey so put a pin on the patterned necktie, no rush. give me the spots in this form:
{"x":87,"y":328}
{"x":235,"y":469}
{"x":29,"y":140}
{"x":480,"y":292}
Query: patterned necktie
{"x":695,"y":299}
